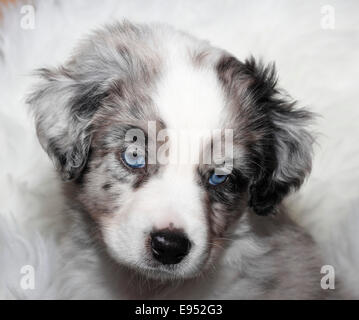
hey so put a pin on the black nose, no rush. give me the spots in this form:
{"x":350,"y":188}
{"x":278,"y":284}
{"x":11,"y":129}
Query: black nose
{"x":169,"y":247}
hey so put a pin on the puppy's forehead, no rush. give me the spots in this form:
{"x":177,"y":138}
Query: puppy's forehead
{"x":189,"y":95}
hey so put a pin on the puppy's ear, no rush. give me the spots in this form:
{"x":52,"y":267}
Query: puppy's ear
{"x":63,"y":105}
{"x":282,"y":147}
{"x":286,"y":144}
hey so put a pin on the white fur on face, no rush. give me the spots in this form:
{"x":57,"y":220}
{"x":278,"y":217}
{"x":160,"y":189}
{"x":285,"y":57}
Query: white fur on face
{"x":170,"y":200}
{"x":187,"y":98}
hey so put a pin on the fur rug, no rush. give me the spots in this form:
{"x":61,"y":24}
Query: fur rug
{"x":317,"y":66}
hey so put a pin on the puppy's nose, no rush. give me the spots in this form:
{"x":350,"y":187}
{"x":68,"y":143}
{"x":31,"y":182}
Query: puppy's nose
{"x":169,"y":246}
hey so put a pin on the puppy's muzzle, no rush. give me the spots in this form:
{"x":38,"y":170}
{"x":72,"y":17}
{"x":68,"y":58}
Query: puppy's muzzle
{"x":169,"y":246}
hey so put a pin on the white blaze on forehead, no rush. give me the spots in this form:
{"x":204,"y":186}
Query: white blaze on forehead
{"x":189,"y":96}
{"x":190,"y":101}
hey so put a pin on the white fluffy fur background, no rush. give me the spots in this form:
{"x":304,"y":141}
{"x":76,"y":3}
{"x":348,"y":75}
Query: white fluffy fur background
{"x":319,"y":67}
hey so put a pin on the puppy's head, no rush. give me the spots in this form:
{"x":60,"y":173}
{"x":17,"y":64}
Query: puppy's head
{"x":164,"y":141}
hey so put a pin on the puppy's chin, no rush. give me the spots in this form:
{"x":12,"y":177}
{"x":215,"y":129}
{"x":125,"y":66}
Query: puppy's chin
{"x":167,"y":273}
{"x":154,"y":271}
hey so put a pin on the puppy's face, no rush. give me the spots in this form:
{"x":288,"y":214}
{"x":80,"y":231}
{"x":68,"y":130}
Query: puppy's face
{"x":164,"y":141}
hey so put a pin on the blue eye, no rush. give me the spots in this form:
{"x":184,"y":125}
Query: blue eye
{"x":133,"y":159}
{"x":217,"y":179}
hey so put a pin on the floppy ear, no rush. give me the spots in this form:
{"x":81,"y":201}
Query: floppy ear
{"x":63,"y":104}
{"x":282,"y":149}
{"x":286,"y":144}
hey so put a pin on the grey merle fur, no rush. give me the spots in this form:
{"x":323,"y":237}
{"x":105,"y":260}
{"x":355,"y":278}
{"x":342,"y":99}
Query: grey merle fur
{"x":281,"y":155}
{"x":82,"y":109}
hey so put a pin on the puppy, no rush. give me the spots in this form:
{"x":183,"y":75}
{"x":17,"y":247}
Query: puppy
{"x":112,"y":118}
